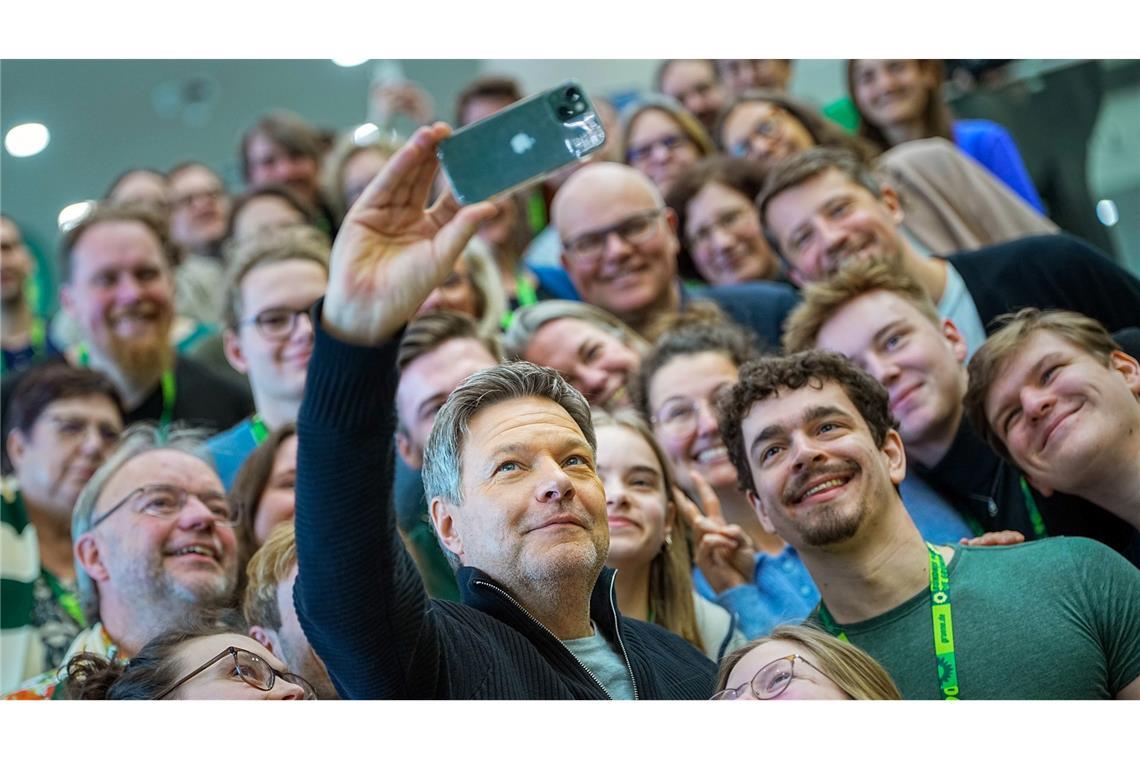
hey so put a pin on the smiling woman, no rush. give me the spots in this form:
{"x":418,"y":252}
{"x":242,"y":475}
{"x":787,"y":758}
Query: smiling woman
{"x":648,"y":541}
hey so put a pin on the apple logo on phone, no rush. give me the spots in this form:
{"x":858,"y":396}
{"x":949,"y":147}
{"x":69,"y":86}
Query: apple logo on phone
{"x":521,"y":143}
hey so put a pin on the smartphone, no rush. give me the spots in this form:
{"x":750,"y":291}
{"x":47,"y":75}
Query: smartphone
{"x":521,"y":144}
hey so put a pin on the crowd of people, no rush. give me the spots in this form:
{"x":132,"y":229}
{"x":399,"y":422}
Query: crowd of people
{"x":762,"y":400}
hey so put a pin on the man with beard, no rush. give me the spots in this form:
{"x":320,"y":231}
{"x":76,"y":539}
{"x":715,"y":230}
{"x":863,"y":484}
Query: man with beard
{"x":269,"y":611}
{"x":154,"y":547}
{"x":816,"y":449}
{"x":119,"y":291}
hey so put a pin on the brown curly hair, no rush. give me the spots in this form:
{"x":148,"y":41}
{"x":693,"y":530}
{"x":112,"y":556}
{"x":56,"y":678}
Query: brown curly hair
{"x":765,"y":378}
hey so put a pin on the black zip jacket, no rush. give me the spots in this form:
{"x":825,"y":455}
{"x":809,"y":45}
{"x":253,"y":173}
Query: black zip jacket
{"x":360,"y":599}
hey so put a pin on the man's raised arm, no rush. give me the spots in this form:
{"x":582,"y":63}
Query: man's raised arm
{"x":358,"y":594}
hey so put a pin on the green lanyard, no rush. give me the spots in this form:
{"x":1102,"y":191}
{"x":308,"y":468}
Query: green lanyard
{"x":169,"y":388}
{"x":525,"y":294}
{"x":258,"y":429}
{"x":1034,"y":513}
{"x":37,"y":339}
{"x":947,"y":667}
{"x":65,"y":598}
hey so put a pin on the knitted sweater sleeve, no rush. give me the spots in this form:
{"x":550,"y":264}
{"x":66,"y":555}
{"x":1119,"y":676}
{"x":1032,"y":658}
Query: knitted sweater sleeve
{"x":358,"y":595}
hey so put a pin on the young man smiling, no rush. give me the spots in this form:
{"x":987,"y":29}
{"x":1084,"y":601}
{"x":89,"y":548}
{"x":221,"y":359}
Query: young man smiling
{"x":886,"y":324}
{"x":816,"y":449}
{"x":1056,"y":394}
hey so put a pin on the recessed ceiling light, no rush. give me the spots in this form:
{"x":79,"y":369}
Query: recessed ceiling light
{"x":25,"y":140}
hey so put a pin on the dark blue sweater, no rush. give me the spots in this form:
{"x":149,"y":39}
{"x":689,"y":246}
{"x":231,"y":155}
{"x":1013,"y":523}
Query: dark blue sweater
{"x":359,"y":596}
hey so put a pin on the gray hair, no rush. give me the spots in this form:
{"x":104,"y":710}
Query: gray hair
{"x":138,"y":439}
{"x":529,"y":319}
{"x":443,"y":455}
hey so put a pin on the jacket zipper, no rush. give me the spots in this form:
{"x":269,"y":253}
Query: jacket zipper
{"x":535,"y":620}
{"x":617,"y":632}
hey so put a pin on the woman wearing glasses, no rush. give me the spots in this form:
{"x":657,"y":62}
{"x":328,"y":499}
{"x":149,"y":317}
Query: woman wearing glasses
{"x":718,"y":224}
{"x":802,"y":662}
{"x":648,"y":544}
{"x":662,"y":140}
{"x":952,"y":202}
{"x":198,"y":663}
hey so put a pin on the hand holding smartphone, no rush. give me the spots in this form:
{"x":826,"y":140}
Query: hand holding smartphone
{"x":521,"y":144}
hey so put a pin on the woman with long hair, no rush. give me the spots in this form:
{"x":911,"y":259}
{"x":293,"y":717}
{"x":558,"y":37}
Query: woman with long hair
{"x":648,"y":544}
{"x":900,"y":100}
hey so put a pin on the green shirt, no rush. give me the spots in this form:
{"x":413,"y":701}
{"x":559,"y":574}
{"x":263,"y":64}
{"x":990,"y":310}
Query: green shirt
{"x":1057,"y":618}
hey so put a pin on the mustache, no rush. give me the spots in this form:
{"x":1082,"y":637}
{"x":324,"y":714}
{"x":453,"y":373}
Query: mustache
{"x":795,"y":489}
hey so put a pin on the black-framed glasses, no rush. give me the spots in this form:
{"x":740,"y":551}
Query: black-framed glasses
{"x":771,"y":680}
{"x":278,"y":323}
{"x":634,"y":230}
{"x":165,"y":501}
{"x":670,"y":143}
{"x":253,"y":670}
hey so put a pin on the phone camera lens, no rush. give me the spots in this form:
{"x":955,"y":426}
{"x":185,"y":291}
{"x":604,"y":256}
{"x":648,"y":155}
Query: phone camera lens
{"x":573,"y":95}
{"x":565,"y":112}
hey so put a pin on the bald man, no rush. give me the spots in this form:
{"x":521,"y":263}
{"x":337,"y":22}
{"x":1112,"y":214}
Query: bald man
{"x":619,"y":246}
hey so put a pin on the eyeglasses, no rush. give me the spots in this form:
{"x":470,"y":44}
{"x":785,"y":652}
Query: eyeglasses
{"x":770,"y":128}
{"x":166,"y":501}
{"x":678,"y":418}
{"x":187,"y":200}
{"x":278,"y":324}
{"x":635,"y":230}
{"x":771,"y":680}
{"x":670,"y":143}
{"x":725,"y":220}
{"x":72,"y":428}
{"x":253,"y":670}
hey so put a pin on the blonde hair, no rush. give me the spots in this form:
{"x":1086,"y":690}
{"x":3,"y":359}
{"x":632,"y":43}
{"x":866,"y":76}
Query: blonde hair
{"x":821,"y":300}
{"x":690,"y":126}
{"x":856,"y":673}
{"x":671,"y":603}
{"x":1015,"y":330}
{"x":267,"y":569}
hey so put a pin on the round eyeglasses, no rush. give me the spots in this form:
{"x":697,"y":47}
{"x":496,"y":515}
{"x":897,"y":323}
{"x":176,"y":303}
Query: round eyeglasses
{"x":770,"y":681}
{"x":253,"y":670}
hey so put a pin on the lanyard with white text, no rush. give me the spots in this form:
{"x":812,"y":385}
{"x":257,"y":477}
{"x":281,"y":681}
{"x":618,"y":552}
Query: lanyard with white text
{"x":943,"y":626}
{"x":169,"y":389}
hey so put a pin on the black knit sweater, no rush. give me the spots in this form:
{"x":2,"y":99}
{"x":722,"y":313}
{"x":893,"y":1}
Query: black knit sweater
{"x":359,"y":596}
